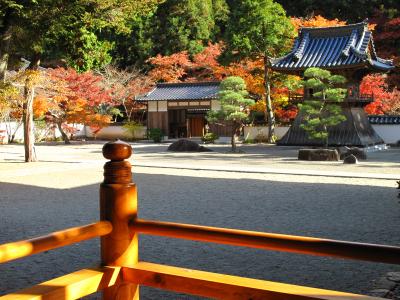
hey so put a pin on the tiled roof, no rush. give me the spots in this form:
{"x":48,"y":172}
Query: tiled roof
{"x":392,"y":120}
{"x":333,"y":48}
{"x":182,"y":91}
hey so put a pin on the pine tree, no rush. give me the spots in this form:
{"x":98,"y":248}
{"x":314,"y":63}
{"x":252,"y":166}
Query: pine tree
{"x":324,"y":111}
{"x":234,"y":106}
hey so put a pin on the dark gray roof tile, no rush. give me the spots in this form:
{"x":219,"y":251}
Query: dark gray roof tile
{"x":182,"y":91}
{"x":382,"y":119}
{"x":332,"y":47}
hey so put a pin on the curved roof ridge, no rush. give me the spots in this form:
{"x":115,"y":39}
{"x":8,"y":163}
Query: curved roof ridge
{"x":362,"y":24}
{"x":300,"y":50}
{"x":350,"y":43}
{"x":183,"y":84}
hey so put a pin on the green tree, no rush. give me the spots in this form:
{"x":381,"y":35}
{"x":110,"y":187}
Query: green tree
{"x":258,"y":29}
{"x":135,"y":47}
{"x":234,"y":106}
{"x":49,"y":28}
{"x":323,"y":111}
{"x":187,"y":24}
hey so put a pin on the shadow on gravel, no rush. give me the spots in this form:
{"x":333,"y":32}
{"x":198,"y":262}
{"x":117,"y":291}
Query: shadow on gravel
{"x":347,"y":212}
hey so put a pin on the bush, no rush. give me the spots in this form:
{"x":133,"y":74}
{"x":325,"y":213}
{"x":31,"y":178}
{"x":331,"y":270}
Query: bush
{"x":209,"y":138}
{"x":131,"y":126}
{"x":155,"y":134}
{"x":249,"y":141}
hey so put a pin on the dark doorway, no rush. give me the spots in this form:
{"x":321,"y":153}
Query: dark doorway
{"x":177,"y":123}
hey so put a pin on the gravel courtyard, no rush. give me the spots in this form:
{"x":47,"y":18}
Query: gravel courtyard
{"x":263,"y":189}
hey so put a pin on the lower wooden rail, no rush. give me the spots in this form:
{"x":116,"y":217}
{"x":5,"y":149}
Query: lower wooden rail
{"x":271,"y":241}
{"x":220,"y":286}
{"x":71,"y":286}
{"x":54,"y":240}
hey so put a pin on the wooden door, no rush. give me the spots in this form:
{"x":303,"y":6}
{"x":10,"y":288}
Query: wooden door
{"x":196,"y":126}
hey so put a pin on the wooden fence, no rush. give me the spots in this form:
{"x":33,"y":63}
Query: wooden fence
{"x":120,"y":273}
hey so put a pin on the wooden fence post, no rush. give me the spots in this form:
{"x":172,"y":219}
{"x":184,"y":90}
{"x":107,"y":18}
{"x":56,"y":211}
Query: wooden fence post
{"x":118,"y":204}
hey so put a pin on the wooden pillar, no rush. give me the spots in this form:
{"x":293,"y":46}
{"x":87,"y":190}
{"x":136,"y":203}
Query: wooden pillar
{"x":118,"y":204}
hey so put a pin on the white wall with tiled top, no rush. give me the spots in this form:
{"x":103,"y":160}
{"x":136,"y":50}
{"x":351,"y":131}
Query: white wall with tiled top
{"x":389,"y":133}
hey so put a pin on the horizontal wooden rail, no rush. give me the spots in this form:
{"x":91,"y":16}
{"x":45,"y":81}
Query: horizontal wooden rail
{"x":54,"y":240}
{"x":271,"y":241}
{"x":71,"y":286}
{"x":218,"y":286}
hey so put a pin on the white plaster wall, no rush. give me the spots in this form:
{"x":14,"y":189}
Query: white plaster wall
{"x":152,"y":106}
{"x":215,"y":105}
{"x":116,"y":132}
{"x":252,"y":132}
{"x":389,"y":133}
{"x":162,"y":106}
{"x":19,"y":135}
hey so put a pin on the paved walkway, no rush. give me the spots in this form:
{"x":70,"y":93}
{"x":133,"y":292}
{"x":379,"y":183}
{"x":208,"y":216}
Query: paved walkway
{"x":356,"y":203}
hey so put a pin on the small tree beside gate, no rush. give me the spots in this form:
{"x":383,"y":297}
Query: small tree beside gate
{"x":234,"y":106}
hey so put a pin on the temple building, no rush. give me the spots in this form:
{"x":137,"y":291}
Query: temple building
{"x":179,"y":109}
{"x":344,"y":50}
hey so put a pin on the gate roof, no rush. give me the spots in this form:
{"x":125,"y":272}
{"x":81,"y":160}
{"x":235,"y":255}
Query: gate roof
{"x":182,"y":91}
{"x":339,"y":47}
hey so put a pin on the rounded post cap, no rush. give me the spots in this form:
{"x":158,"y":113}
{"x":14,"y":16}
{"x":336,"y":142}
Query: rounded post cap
{"x":117,"y":150}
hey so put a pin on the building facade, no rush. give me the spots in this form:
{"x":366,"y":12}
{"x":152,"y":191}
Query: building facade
{"x":179,"y":109}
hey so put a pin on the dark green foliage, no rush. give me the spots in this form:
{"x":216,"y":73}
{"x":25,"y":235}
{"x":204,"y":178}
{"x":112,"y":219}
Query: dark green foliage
{"x":73,"y":30}
{"x":187,"y":24}
{"x":349,"y":10}
{"x":135,"y":47}
{"x":257,"y":28}
{"x":155,"y":134}
{"x":322,"y":113}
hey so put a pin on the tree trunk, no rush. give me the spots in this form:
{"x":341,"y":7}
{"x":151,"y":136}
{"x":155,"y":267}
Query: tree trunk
{"x":63,"y":134}
{"x":269,"y":112}
{"x":5,"y":40}
{"x":233,"y":141}
{"x":235,"y":128}
{"x":327,"y":137}
{"x":29,"y":139}
{"x":29,"y":94}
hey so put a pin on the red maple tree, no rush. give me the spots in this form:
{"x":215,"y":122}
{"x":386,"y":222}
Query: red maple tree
{"x":76,"y":98}
{"x":385,"y":101}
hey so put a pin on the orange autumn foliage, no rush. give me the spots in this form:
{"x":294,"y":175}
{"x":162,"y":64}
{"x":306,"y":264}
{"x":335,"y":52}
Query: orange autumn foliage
{"x":385,"y":101}
{"x":204,"y":66}
{"x":316,"y":21}
{"x":40,"y":106}
{"x":169,"y":68}
{"x":320,"y":21}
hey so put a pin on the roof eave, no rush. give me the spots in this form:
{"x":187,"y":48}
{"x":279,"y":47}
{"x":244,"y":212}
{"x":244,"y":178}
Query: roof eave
{"x":177,"y":100}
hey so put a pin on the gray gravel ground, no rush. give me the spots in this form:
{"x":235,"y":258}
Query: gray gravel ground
{"x":62,"y":191}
